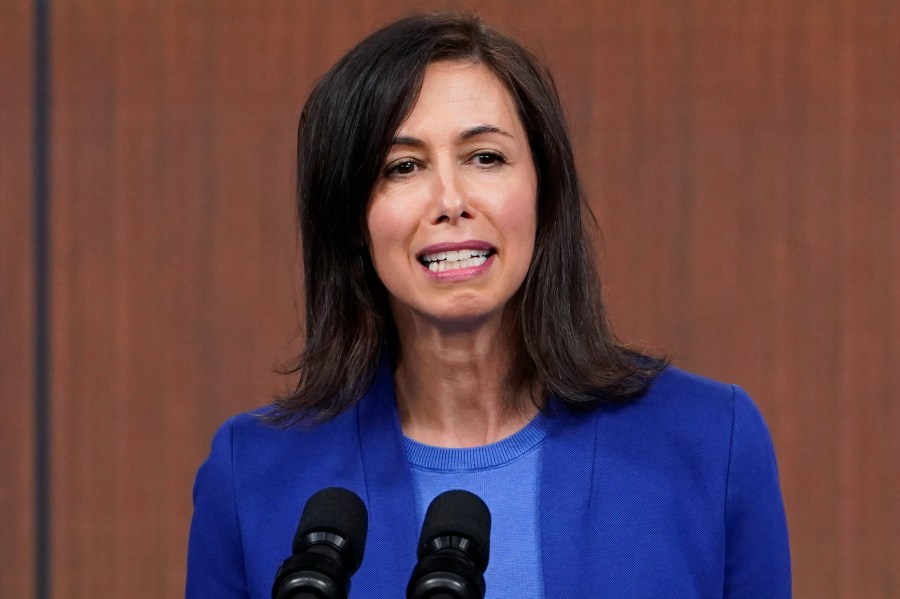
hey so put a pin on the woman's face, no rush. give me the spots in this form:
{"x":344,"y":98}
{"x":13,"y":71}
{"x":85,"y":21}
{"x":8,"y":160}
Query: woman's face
{"x":452,"y":218}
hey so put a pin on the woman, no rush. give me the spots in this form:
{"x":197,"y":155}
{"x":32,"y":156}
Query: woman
{"x":456,"y":339}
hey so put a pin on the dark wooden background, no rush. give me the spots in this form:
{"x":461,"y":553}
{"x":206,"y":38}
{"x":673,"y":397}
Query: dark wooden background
{"x":743,"y":159}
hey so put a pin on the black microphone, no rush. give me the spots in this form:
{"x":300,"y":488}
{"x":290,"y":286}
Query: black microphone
{"x":328,"y":547}
{"x":453,"y":549}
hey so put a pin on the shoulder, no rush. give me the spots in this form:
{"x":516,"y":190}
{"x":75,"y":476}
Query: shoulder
{"x":690,"y":420}
{"x":253,"y":444}
{"x":249,"y":491}
{"x":676,"y":388}
{"x":680,"y":402}
{"x":686,"y":397}
{"x":247,"y":449}
{"x":738,"y":453}
{"x":684,"y":419}
{"x":683,"y":397}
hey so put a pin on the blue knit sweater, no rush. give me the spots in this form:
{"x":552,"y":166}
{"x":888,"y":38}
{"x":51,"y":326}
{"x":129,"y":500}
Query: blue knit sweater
{"x":675,"y":495}
{"x":505,"y":475}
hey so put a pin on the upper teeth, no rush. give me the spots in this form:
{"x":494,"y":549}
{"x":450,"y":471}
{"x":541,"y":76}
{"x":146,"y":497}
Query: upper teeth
{"x":453,"y":260}
{"x":454,"y":256}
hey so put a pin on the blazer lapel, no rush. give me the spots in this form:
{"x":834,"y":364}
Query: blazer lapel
{"x":565,"y":502}
{"x":390,"y":495}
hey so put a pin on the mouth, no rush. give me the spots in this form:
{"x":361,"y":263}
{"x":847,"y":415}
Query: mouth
{"x":456,"y":259}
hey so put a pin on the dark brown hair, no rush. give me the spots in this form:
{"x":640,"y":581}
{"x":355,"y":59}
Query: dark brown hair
{"x":565,"y":345}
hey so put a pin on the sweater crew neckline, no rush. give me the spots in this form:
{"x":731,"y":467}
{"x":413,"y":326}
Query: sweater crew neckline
{"x":493,"y":455}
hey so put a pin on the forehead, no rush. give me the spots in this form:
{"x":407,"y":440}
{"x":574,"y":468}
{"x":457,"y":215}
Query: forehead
{"x":461,"y":93}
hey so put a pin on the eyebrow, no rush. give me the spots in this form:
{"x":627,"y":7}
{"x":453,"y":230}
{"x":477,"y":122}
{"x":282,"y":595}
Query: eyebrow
{"x":403,"y":140}
{"x":482,"y":129}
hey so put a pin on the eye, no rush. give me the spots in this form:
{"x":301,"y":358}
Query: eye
{"x":487,"y":159}
{"x":401,"y":168}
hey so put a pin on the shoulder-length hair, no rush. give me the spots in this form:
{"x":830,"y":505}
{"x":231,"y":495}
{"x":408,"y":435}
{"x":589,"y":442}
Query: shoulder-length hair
{"x":564,"y":344}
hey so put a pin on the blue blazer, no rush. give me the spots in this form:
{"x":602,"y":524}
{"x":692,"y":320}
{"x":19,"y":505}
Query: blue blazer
{"x":675,"y":495}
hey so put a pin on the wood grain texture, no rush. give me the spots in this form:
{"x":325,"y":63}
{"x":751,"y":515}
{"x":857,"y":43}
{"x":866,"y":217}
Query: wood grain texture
{"x":748,"y":190}
{"x":742,"y":159}
{"x":172,"y":273}
{"x":17,"y":515}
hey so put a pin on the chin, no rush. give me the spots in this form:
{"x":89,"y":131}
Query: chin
{"x":464,"y":320}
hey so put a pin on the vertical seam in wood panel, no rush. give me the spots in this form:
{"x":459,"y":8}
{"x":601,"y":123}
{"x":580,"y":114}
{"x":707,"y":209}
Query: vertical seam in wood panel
{"x":41,"y":373}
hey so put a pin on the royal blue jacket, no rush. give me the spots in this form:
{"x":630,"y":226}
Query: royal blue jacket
{"x":675,"y":495}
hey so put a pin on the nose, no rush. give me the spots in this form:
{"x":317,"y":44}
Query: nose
{"x":450,"y":200}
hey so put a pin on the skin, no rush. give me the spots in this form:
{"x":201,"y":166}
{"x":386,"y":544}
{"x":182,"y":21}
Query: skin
{"x":460,"y":170}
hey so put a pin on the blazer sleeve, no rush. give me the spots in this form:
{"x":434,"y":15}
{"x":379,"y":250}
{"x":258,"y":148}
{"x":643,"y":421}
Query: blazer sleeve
{"x":757,"y":560}
{"x":215,"y":566}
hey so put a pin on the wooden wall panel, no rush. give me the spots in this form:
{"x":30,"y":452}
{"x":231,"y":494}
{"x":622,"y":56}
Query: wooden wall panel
{"x":747,"y":187}
{"x":173,"y":270}
{"x":17,"y":515}
{"x":742,"y":159}
{"x":868,"y":379}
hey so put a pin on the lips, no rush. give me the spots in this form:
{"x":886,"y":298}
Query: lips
{"x":443,"y":257}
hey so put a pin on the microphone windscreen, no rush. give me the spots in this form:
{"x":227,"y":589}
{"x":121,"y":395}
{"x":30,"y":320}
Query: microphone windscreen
{"x":458,"y":513}
{"x":335,"y":510}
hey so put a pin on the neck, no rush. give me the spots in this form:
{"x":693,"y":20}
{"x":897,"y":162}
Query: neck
{"x":453,"y":386}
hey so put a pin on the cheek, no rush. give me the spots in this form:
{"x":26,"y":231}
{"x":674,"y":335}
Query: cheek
{"x":388,"y":229}
{"x":524,"y":220}
{"x":520,"y":217}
